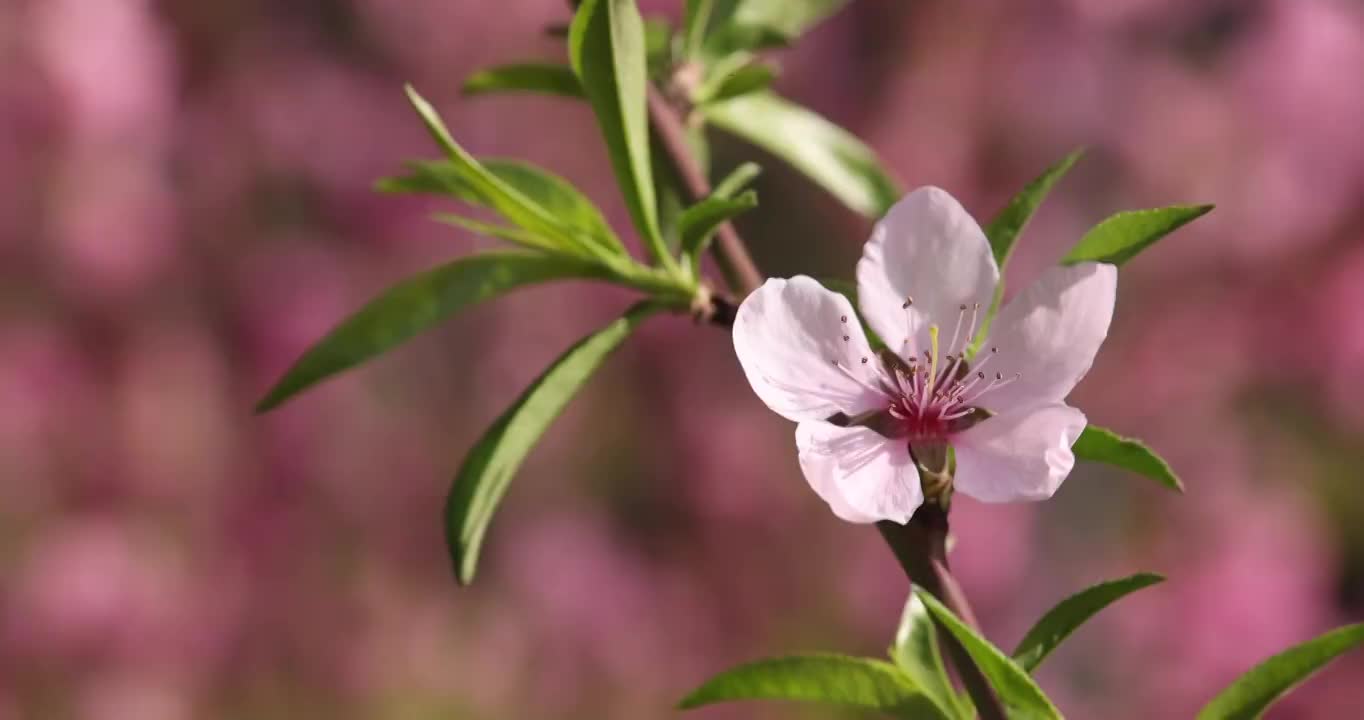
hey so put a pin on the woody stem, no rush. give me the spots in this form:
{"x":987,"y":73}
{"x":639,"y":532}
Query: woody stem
{"x":921,"y":545}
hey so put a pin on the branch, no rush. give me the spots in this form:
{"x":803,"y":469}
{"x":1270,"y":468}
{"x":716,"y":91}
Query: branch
{"x":730,"y":254}
{"x":920,"y":546}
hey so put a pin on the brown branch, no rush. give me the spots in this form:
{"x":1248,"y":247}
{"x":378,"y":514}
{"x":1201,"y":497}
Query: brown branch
{"x":729,"y":251}
{"x":921,"y":545}
{"x":921,"y":548}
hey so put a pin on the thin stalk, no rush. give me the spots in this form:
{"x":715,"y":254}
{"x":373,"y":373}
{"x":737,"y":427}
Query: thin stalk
{"x":729,"y":251}
{"x":921,"y":545}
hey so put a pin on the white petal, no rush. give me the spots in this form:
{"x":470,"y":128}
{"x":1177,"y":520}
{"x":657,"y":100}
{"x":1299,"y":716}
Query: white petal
{"x":789,"y":334}
{"x":863,"y":476}
{"x":1020,"y":455}
{"x":1048,"y":335}
{"x":927,"y":248}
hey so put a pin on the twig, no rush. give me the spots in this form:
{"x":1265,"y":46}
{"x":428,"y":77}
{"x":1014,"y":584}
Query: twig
{"x":729,"y":251}
{"x":921,"y":545}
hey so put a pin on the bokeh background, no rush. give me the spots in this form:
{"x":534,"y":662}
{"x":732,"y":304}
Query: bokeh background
{"x":185,"y":205}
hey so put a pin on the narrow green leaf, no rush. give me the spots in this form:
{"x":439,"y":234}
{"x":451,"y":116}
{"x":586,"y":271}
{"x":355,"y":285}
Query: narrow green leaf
{"x":1020,"y":695}
{"x":916,"y":652}
{"x":513,"y":235}
{"x":737,"y":179}
{"x":1254,"y":692}
{"x":757,"y":24}
{"x":747,"y":78}
{"x":1098,"y":444}
{"x":1004,"y":230}
{"x":1008,"y":225}
{"x":497,"y":194}
{"x":835,"y":679}
{"x":606,"y":43}
{"x":417,"y":304}
{"x":824,"y":152}
{"x":698,"y":223}
{"x":697,"y":23}
{"x":488,"y":468}
{"x":1071,"y":613}
{"x":541,"y":78}
{"x":1120,"y":237}
{"x":573,"y":212}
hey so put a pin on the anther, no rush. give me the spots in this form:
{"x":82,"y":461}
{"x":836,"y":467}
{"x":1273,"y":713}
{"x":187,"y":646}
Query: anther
{"x":843,"y":318}
{"x":908,"y":301}
{"x":845,"y":338}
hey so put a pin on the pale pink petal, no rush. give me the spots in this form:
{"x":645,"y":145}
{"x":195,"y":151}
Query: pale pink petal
{"x":930,"y":250}
{"x":804,"y":352}
{"x":1019,"y":455}
{"x":1048,"y":335}
{"x":863,"y":476}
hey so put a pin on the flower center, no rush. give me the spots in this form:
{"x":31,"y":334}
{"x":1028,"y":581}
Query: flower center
{"x":938,"y":394}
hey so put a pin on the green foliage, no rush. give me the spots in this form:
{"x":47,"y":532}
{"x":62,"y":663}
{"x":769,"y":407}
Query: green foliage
{"x":488,"y":469}
{"x":916,"y":652}
{"x":697,"y":22}
{"x":576,"y":215}
{"x":824,"y":152}
{"x":1019,"y":694}
{"x":525,"y":77}
{"x":1006,"y":227}
{"x":417,"y":304}
{"x":496,"y":194}
{"x":1071,"y":613}
{"x":737,"y":179}
{"x":853,"y":682}
{"x":757,"y":24}
{"x":1252,"y":694}
{"x":730,"y":80}
{"x":607,"y":45}
{"x":1098,"y":444}
{"x":698,"y":223}
{"x":1120,"y":237}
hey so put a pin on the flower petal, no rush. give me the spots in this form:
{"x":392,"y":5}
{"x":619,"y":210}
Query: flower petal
{"x":1021,"y":455}
{"x":863,"y":476}
{"x":1048,"y":335}
{"x":930,"y":249}
{"x":790,"y":339}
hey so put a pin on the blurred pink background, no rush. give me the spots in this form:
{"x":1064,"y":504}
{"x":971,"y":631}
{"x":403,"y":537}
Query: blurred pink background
{"x":185,"y":205}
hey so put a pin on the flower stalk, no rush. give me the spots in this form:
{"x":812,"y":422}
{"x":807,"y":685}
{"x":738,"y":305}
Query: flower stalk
{"x":921,"y":545}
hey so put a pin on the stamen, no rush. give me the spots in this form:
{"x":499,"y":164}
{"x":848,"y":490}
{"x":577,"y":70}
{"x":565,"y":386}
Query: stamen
{"x":970,"y":332}
{"x":933,"y":359}
{"x":961,"y":315}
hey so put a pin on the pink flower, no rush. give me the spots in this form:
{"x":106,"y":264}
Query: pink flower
{"x":925,"y":276}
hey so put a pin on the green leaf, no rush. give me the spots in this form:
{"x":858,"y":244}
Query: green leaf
{"x":512,"y":235}
{"x":1098,"y":444}
{"x":1020,"y":695}
{"x":494,"y":192}
{"x":1004,"y":230}
{"x":1254,"y":692}
{"x":606,"y":43}
{"x":757,"y":24}
{"x":1073,"y":612}
{"x":737,"y":180}
{"x":1120,"y":237}
{"x":824,"y":152}
{"x":541,"y":78}
{"x":916,"y":652}
{"x":1008,"y":225}
{"x":697,"y":22}
{"x":490,"y":465}
{"x":835,"y":679}
{"x":698,"y":223}
{"x":417,"y":304}
{"x":743,"y":79}
{"x":572,"y":211}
